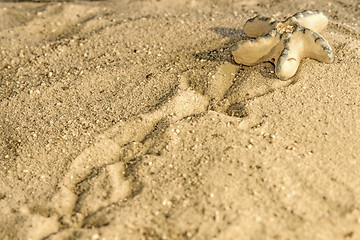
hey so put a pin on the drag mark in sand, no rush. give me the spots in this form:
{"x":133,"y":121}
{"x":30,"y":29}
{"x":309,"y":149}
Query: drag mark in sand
{"x":97,"y":177}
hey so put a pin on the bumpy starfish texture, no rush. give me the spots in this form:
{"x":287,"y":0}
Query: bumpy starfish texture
{"x":284,"y":42}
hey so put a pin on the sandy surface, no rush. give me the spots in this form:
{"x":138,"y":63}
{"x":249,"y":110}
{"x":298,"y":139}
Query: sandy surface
{"x":130,"y":120}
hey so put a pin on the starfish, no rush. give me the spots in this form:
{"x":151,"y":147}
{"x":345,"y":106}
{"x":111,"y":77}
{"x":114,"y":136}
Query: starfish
{"x":284,"y":43}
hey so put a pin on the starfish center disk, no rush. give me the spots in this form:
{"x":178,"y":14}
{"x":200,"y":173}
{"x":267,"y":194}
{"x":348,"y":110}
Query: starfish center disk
{"x":285,"y":27}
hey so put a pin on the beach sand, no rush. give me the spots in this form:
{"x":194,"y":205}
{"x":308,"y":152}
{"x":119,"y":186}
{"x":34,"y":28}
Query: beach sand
{"x":130,"y":120}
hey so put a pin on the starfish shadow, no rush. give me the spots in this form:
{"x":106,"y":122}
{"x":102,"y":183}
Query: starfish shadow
{"x":222,"y":53}
{"x":229,"y":32}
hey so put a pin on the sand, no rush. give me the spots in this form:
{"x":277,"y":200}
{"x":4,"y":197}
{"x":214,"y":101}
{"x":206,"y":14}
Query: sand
{"x":130,"y":120}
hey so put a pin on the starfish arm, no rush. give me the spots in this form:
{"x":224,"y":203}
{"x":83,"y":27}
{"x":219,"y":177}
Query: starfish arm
{"x":301,"y":44}
{"x":316,"y":47}
{"x":289,"y":59}
{"x":253,"y":51}
{"x":259,"y":26}
{"x":315,"y":20}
